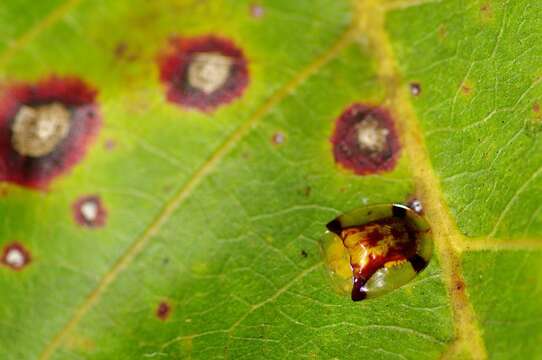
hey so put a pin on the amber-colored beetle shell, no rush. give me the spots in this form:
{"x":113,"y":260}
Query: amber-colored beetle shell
{"x":392,"y":274}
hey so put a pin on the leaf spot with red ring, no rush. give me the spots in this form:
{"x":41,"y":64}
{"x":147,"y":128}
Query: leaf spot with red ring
{"x":203,"y":72}
{"x":89,"y":211}
{"x":45,"y":129}
{"x":15,"y":256}
{"x":415,"y":89}
{"x":365,"y":140}
{"x":278,"y":138}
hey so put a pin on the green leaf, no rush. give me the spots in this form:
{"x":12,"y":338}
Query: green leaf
{"x":211,"y":246}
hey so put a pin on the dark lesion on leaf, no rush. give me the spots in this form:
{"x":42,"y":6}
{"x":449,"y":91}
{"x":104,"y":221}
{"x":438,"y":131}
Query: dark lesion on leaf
{"x":123,"y":52}
{"x":163,"y":310}
{"x":486,"y":12}
{"x":45,"y":129}
{"x":415,"y":88}
{"x":365,"y":140}
{"x":203,"y":72}
{"x":15,"y":256}
{"x":278,"y":138}
{"x":89,"y":211}
{"x":399,"y":211}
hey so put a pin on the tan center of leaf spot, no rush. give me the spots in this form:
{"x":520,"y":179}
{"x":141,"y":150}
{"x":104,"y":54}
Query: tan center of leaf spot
{"x":38,"y":130}
{"x":371,"y":136}
{"x":89,"y":210}
{"x":15,"y":258}
{"x":209,"y":71}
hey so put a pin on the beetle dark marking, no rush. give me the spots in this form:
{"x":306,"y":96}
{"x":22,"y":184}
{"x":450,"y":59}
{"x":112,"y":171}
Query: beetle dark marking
{"x":358,"y":292}
{"x":278,"y":138}
{"x":334,"y":226}
{"x":418,"y":262}
{"x":399,"y":211}
{"x":123,"y":52}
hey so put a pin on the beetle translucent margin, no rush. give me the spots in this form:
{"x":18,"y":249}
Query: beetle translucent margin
{"x":375,"y":249}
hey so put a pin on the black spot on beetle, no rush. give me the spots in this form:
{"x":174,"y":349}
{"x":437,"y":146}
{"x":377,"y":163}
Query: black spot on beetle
{"x":335,"y":226}
{"x":415,"y":89}
{"x":418,"y":263}
{"x":398,"y":211}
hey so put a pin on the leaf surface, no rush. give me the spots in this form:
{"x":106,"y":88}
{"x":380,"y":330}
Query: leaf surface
{"x":216,"y":223}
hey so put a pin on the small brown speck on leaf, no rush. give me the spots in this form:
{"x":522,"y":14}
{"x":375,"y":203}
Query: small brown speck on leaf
{"x":257,"y":11}
{"x":415,"y":89}
{"x":89,"y":211}
{"x":535,"y":121}
{"x":124,"y":53}
{"x":278,"y":138}
{"x":120,"y":49}
{"x":458,"y":283}
{"x":486,"y":12}
{"x":466,"y":88}
{"x":163,"y":310}
{"x":442,"y":32}
{"x":110,"y":144}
